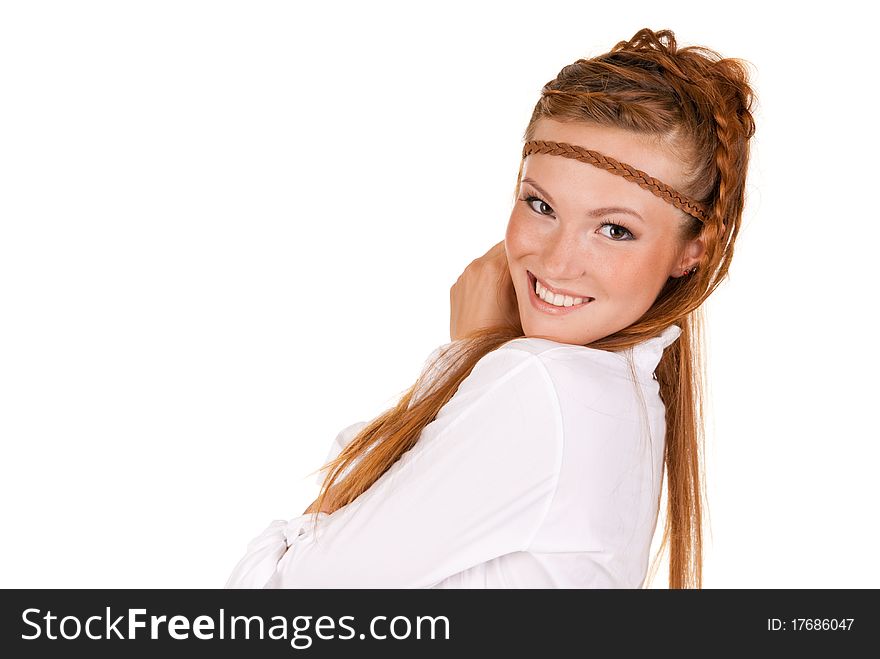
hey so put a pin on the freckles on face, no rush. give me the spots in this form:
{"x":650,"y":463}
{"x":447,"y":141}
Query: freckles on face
{"x":624,"y":281}
{"x":566,"y":244}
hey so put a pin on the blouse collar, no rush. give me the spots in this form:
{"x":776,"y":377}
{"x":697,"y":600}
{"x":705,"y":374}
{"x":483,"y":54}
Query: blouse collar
{"x":647,"y":354}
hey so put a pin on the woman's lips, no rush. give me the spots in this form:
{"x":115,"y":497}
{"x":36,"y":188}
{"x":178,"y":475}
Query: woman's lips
{"x":548,"y":308}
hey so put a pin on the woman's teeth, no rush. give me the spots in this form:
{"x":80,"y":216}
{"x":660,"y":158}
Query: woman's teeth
{"x":557,"y":299}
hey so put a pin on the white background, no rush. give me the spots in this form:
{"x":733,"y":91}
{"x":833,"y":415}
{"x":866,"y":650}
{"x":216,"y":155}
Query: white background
{"x":229,"y":229}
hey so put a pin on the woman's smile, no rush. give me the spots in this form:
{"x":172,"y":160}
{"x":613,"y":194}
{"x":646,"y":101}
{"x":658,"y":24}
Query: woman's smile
{"x":547,"y":307}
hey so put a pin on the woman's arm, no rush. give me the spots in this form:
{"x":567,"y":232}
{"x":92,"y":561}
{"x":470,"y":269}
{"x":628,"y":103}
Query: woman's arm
{"x":477,"y":485}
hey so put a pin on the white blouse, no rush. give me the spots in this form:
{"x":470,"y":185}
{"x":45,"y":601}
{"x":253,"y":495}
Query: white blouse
{"x":542,"y":471}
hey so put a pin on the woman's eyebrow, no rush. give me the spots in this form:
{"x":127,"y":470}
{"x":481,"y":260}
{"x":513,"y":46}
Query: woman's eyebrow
{"x":596,"y":212}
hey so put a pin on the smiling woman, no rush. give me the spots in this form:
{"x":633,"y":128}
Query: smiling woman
{"x":530,"y":451}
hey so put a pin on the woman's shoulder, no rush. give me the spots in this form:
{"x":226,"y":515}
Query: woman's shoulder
{"x":575,"y":376}
{"x":610,"y":383}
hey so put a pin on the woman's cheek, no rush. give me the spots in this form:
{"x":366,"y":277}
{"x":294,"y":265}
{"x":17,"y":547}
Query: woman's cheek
{"x":520,"y":236}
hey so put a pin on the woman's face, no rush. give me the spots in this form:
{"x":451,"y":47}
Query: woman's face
{"x":568,"y":234}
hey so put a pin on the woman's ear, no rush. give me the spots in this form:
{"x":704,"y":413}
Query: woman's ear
{"x":693,"y":253}
{"x":690,"y":255}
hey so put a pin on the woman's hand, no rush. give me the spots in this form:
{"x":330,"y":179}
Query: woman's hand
{"x":483,"y":296}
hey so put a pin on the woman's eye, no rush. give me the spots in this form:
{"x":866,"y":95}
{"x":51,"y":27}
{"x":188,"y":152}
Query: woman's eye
{"x":530,"y":199}
{"x":618,"y":232}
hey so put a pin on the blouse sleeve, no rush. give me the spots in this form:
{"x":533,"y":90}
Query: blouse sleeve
{"x":477,"y":485}
{"x":264,"y":551}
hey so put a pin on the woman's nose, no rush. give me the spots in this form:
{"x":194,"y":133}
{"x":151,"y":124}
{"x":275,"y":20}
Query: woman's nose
{"x":562,"y":258}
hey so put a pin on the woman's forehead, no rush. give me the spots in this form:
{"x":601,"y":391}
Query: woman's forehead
{"x":644,"y":152}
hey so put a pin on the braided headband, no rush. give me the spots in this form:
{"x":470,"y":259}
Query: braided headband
{"x":630,"y":173}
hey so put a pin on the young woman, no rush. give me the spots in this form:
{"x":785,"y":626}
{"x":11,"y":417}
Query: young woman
{"x":531,"y":450}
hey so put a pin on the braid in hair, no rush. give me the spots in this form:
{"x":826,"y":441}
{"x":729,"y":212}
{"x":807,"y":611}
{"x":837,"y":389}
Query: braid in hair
{"x":734,"y":126}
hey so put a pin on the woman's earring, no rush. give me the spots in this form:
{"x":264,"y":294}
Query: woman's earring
{"x":689,"y":272}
